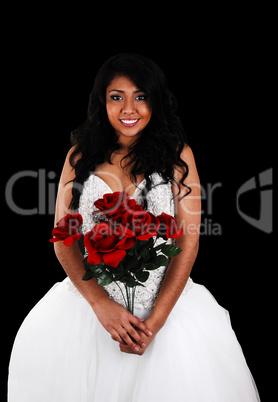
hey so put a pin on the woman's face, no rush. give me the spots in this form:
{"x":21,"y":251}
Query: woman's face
{"x":128,"y":108}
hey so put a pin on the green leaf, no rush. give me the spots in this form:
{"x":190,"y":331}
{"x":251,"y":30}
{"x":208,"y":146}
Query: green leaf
{"x":150,"y":242}
{"x":118,"y":276}
{"x":130,"y":281}
{"x":105,"y":279}
{"x":150,"y":266}
{"x":86,"y":265}
{"x":138,"y":244}
{"x":152,"y":254}
{"x":142,"y":245}
{"x":145,"y":255}
{"x":120,"y":267}
{"x":159,"y":247}
{"x":161,"y":260}
{"x":170,"y":250}
{"x":97,"y":269}
{"x":142,"y":276}
{"x":87,"y":276}
{"x":131,"y":264}
{"x":131,"y":251}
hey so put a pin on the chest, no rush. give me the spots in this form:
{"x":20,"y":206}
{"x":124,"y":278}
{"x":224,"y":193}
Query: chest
{"x":159,"y":198}
{"x":117,"y":178}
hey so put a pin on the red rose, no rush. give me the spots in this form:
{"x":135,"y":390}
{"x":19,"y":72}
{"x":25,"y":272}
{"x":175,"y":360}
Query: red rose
{"x":115,"y":205}
{"x":168,"y":227}
{"x":108,"y":243}
{"x":143,"y":224}
{"x":68,"y":229}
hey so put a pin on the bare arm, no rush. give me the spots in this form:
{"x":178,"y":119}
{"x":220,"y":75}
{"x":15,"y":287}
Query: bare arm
{"x":115,"y":319}
{"x":188,"y":215}
{"x":71,"y":257}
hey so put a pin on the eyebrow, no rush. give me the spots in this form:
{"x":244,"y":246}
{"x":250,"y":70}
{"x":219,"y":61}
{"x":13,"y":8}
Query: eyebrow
{"x":119,"y":90}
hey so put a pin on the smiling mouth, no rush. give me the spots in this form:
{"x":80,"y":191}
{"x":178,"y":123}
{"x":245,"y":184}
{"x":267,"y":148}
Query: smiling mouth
{"x":129,"y":122}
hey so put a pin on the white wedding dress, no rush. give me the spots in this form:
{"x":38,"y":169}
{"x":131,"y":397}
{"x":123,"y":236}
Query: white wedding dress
{"x":63,"y":354}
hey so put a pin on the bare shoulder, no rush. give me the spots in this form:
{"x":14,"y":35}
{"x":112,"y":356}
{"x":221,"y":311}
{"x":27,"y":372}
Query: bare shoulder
{"x":68,"y":172}
{"x":188,"y":157}
{"x":64,"y":195}
{"x":76,"y":157}
{"x":191,"y":180}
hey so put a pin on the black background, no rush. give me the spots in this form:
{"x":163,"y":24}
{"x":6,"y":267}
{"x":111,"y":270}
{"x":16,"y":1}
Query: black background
{"x":220,"y":77}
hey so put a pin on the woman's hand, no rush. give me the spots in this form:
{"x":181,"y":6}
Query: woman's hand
{"x":123,"y":327}
{"x":146,"y":339}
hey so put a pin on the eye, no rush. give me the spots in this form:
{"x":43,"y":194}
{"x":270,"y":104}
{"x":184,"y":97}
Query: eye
{"x":116,"y":97}
{"x":141,"y":97}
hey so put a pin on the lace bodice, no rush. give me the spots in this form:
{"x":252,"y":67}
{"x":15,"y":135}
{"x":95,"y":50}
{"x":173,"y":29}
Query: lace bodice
{"x":160,"y":199}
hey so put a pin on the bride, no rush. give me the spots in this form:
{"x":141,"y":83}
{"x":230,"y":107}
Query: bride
{"x":79,"y":343}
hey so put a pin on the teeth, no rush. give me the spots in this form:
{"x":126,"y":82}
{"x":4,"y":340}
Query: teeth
{"x":129,"y":121}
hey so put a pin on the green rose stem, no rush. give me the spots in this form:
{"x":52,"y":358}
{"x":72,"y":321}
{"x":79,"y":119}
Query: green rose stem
{"x":130,"y":297}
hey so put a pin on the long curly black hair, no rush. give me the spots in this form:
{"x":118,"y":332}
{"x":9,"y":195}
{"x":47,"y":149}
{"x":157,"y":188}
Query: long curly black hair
{"x":161,"y":142}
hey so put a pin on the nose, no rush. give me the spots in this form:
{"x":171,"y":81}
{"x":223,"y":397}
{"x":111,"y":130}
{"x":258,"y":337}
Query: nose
{"x":129,"y":106}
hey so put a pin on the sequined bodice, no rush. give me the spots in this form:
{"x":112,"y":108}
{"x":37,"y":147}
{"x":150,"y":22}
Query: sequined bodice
{"x":160,"y":199}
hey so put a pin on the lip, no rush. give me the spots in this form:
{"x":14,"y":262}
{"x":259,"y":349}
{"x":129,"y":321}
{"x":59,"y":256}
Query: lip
{"x":129,"y":122}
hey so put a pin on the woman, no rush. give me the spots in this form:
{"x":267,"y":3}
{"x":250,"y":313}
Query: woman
{"x":79,"y":343}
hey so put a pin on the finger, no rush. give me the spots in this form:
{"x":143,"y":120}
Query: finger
{"x":124,"y":348}
{"x":115,"y":336}
{"x":141,"y":325}
{"x":134,"y":335}
{"x":126,"y":338}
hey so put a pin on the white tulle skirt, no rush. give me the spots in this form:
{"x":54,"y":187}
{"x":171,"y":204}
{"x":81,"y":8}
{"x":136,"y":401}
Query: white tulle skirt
{"x":63,"y":354}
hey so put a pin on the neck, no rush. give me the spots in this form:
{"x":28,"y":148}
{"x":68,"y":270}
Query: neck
{"x":126,"y":142}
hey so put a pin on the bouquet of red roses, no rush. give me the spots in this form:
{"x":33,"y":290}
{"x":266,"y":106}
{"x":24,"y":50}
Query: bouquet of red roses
{"x":121,"y":248}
